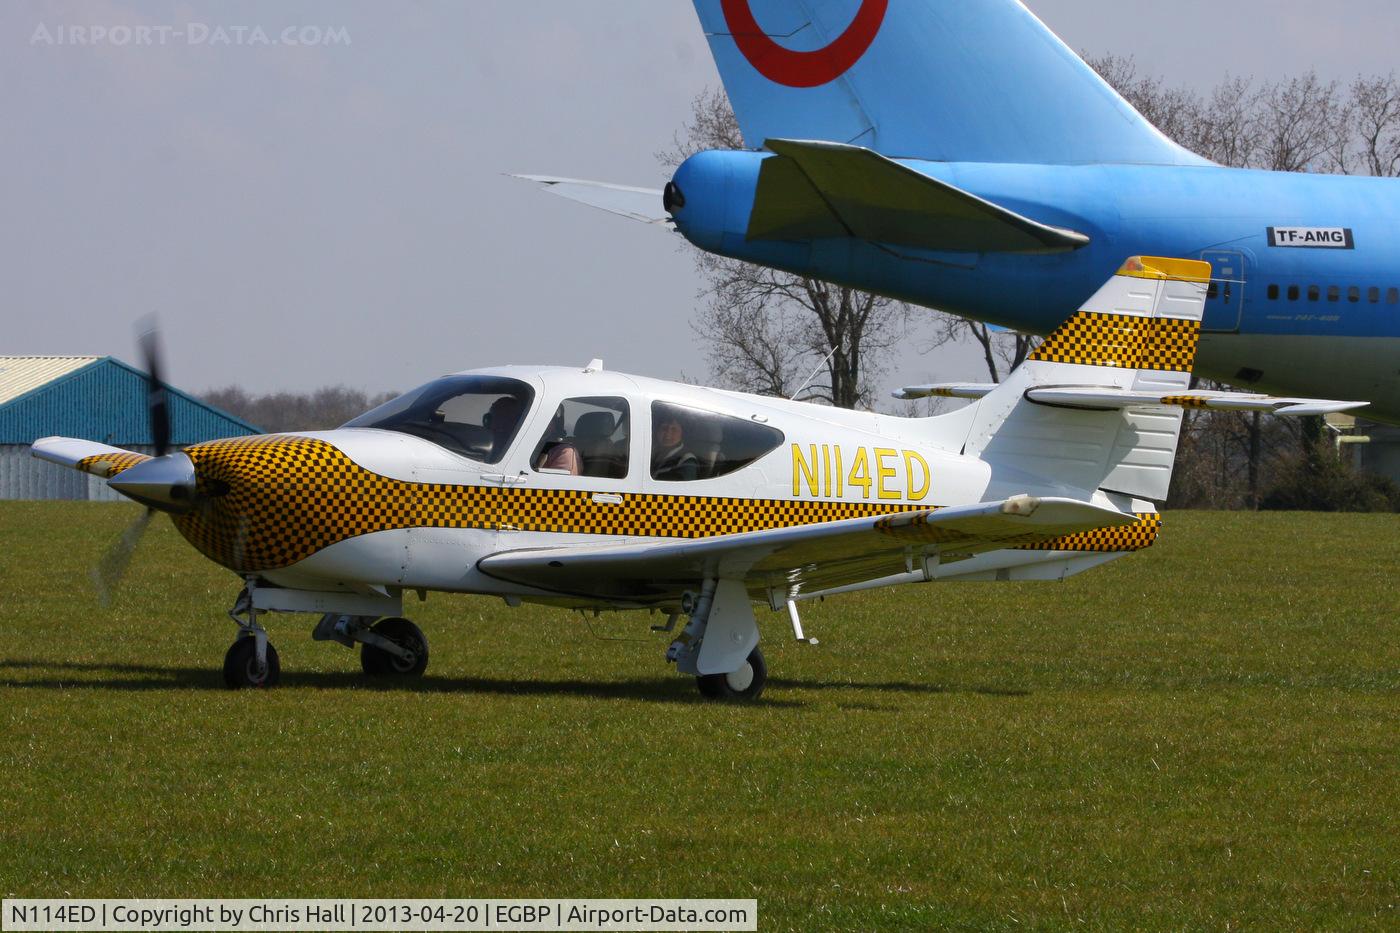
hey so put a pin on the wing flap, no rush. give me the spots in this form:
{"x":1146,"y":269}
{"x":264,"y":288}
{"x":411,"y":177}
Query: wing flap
{"x":799,"y":557}
{"x":823,"y":189}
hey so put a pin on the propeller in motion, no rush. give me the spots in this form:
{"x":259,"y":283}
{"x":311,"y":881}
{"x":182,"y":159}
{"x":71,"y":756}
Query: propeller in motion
{"x":166,"y":482}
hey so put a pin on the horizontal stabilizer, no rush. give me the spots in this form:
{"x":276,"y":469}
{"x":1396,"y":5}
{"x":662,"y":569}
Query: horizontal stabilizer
{"x":1098,"y":398}
{"x":102,"y":460}
{"x":643,"y":204}
{"x":803,"y":558}
{"x":946,"y":390}
{"x":811,"y":190}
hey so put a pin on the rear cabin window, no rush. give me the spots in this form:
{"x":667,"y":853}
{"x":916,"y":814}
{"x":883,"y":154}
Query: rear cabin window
{"x":1292,"y":293}
{"x":588,"y":436}
{"x":475,"y":416}
{"x":690,"y":443}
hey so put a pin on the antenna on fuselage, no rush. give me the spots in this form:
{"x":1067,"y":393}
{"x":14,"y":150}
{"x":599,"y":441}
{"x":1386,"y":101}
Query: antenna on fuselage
{"x":815,"y":370}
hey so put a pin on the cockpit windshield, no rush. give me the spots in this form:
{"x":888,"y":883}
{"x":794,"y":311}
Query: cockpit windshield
{"x":475,"y":416}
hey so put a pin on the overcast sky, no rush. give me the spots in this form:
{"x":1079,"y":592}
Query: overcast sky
{"x":305,"y":214}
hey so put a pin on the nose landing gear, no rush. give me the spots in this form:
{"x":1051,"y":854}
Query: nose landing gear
{"x":250,"y":661}
{"x":393,"y":647}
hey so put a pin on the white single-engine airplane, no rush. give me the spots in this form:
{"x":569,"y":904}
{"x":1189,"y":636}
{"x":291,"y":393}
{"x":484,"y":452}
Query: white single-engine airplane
{"x":595,"y":490}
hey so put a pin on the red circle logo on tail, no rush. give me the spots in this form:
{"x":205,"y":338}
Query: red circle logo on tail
{"x":803,"y":69}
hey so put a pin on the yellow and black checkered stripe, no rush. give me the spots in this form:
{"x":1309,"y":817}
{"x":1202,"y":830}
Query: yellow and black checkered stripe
{"x":1124,"y":341}
{"x":109,"y":465}
{"x":1185,"y":401}
{"x":271,"y":501}
{"x":1134,"y":537}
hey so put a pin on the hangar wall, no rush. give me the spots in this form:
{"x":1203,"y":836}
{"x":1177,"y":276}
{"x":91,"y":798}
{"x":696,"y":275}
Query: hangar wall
{"x":93,"y":398}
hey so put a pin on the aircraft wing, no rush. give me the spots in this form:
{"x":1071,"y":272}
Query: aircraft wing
{"x":802,"y":557}
{"x":643,"y":204}
{"x":824,"y":189}
{"x":102,"y":460}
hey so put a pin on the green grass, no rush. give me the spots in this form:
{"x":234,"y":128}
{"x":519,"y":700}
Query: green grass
{"x":1204,"y":735}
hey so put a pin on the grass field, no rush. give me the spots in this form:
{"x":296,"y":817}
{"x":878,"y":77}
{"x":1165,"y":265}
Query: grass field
{"x":1205,"y":735}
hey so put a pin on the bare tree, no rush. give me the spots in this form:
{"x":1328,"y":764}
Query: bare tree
{"x":328,"y":407}
{"x":1297,"y":122}
{"x":1002,"y":350}
{"x":1371,"y":141}
{"x":766,"y":331}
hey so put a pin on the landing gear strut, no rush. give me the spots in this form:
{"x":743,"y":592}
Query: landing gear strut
{"x":719,"y":644}
{"x":411,"y":658}
{"x":251,"y":661}
{"x":391,"y":647}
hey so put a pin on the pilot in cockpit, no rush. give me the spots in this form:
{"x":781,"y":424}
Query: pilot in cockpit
{"x":503,"y":417}
{"x":671,"y":459}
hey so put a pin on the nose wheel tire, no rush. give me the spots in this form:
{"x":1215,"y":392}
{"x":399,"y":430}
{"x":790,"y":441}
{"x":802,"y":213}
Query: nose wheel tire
{"x":380,"y":663}
{"x":241,"y":665}
{"x":744,"y":684}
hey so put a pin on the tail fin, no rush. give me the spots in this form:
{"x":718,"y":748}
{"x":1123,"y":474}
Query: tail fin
{"x":1099,"y":404}
{"x":1136,"y":335}
{"x":943,"y":80}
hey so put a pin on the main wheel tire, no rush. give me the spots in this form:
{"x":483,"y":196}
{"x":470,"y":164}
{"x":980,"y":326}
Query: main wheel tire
{"x":379,"y":663}
{"x":744,"y":684}
{"x":241,"y":665}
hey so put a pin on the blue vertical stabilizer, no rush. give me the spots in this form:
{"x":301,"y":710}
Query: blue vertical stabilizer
{"x":942,"y":80}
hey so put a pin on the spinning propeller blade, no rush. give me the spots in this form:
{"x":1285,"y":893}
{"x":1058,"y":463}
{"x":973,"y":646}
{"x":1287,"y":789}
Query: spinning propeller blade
{"x":157,"y":401}
{"x":109,"y":571}
{"x":112,"y":567}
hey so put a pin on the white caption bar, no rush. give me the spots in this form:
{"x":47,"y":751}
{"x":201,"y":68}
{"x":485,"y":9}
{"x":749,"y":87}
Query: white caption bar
{"x":188,"y":914}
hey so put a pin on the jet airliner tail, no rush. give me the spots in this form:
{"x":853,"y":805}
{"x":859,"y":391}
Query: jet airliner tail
{"x":942,"y":80}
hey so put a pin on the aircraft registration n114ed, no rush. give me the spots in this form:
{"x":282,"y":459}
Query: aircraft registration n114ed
{"x":958,"y":155}
{"x":594,"y":490}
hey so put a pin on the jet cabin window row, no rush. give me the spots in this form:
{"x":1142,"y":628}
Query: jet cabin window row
{"x":1334,"y":293}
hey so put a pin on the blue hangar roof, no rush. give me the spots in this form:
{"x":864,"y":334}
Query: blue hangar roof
{"x":97,"y":398}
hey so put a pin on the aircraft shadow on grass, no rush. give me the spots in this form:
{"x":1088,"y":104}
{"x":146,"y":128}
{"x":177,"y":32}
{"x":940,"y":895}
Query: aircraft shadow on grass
{"x":664,"y":690}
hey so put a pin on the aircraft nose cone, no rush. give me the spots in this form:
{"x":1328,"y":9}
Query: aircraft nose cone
{"x":166,"y":483}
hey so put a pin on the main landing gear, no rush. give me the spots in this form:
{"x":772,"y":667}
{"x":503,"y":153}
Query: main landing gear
{"x":390,"y":648}
{"x":719,"y":644}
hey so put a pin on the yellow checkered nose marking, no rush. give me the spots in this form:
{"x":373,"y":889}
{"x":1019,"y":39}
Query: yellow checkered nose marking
{"x":268,"y":502}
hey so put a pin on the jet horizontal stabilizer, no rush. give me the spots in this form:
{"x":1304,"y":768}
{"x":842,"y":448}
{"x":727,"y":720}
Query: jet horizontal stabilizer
{"x":642,"y":204}
{"x":811,"y":190}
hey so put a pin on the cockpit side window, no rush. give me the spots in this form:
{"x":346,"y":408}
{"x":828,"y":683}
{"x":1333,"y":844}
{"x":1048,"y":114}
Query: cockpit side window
{"x":586,"y":437}
{"x":690,"y":443}
{"x":475,"y":416}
